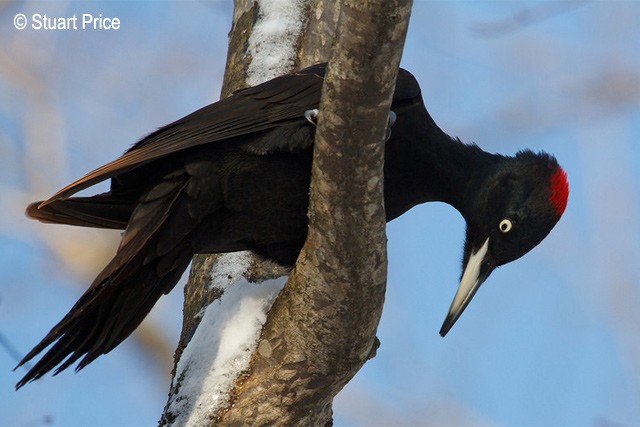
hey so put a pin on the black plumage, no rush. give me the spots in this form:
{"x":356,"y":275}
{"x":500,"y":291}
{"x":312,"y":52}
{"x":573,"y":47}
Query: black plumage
{"x":235,"y":175}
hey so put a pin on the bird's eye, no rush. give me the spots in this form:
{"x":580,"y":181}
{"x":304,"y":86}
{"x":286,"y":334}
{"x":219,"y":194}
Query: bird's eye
{"x":505,"y":225}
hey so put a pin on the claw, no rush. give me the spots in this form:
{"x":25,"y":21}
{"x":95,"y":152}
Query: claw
{"x":312,"y":116}
{"x":390,"y":122}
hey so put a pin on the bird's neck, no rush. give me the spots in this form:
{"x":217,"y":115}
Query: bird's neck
{"x":423,"y":164}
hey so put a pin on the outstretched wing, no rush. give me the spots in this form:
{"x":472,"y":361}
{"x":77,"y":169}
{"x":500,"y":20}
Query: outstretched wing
{"x":259,"y":108}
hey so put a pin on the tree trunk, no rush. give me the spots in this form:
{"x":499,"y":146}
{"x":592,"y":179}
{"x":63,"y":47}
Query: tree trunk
{"x":321,"y":328}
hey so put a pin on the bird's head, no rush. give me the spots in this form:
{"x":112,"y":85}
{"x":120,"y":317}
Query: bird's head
{"x":508,"y":212}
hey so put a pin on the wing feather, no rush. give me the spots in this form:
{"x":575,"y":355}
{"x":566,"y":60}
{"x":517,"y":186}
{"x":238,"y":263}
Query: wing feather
{"x":248,"y":111}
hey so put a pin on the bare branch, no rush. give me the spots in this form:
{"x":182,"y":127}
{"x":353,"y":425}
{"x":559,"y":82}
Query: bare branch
{"x":321,"y":329}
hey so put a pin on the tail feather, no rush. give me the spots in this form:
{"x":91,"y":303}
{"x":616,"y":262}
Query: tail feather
{"x":102,"y":211}
{"x":105,"y":315}
{"x":125,"y":291}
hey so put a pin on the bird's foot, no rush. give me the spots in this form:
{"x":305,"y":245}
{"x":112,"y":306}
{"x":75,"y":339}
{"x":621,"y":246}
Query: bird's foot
{"x":390,"y":122}
{"x":312,"y":117}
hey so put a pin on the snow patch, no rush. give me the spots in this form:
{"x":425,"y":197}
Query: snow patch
{"x":222,"y":345}
{"x":273,"y":40}
{"x":228,"y":268}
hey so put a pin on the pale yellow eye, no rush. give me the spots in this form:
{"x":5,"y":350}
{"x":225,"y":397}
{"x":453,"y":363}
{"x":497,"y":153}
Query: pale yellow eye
{"x":505,"y":226}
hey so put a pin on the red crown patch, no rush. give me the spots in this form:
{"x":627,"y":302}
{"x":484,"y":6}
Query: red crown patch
{"x":559,"y":190}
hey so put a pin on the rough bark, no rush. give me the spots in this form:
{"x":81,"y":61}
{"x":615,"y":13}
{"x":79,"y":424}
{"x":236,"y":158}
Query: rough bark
{"x":235,"y":73}
{"x":321,"y":329}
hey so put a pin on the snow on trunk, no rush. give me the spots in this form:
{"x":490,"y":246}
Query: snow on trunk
{"x":272,"y":44}
{"x":228,"y":333}
{"x":220,"y":350}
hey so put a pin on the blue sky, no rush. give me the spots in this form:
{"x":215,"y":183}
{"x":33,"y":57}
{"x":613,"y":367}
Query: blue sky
{"x":549,"y":340}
